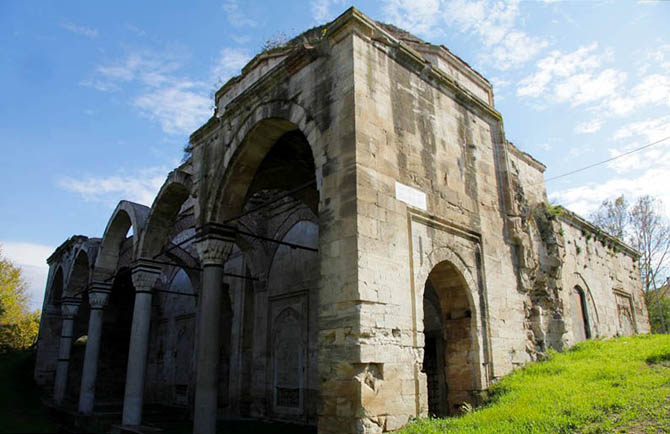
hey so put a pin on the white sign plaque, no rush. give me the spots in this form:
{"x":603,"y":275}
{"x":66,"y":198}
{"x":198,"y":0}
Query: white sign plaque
{"x":411,"y":196}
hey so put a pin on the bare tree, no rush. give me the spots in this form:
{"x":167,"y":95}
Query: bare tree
{"x":612,"y":216}
{"x":645,"y":228}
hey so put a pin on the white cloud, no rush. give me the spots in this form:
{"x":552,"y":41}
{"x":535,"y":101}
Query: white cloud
{"x":87,"y":31}
{"x":493,"y":22}
{"x":421,"y":17}
{"x":229,"y":63}
{"x":140,"y":187}
{"x":236,"y":17}
{"x":589,"y":127}
{"x":650,"y":130}
{"x":557,"y":68}
{"x":585,"y":199}
{"x":661,"y":56}
{"x":644,"y":172}
{"x":321,"y":10}
{"x":32,"y":260}
{"x":638,"y":134}
{"x":179,"y":108}
{"x":150,"y":68}
{"x":178,"y":104}
{"x":653,"y":89}
{"x":515,"y":49}
{"x":580,"y":89}
{"x":577,"y":78}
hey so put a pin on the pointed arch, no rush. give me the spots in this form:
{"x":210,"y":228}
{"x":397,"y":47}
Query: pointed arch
{"x":57,"y":286}
{"x":259,"y":131}
{"x":163,"y":214}
{"x":79,"y":276}
{"x":126,"y":215}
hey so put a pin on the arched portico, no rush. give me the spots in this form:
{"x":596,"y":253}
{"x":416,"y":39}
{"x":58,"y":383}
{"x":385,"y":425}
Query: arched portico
{"x":150,"y":246}
{"x":271,"y":155}
{"x":77,"y":283}
{"x":249,"y":145}
{"x":126,"y":216}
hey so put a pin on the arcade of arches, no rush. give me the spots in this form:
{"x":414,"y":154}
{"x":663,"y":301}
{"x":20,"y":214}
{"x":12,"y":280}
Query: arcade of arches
{"x":347,"y":245}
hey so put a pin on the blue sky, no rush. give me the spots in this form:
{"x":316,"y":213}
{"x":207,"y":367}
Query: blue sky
{"x":99,"y":98}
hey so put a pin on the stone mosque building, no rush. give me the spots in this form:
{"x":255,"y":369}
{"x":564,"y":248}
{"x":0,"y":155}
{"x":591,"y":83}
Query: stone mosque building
{"x":352,"y":242}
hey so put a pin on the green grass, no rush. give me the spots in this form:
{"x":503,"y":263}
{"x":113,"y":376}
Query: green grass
{"x":619,"y":385}
{"x":20,"y":408}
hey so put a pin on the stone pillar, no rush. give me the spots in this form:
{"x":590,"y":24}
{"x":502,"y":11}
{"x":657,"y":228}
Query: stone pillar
{"x":69,"y":309}
{"x":213,"y":249}
{"x":97,"y":299}
{"x":144,"y":278}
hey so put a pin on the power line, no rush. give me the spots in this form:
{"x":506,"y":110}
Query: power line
{"x":608,"y":160}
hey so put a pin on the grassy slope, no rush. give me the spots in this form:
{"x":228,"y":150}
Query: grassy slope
{"x":620,"y":385}
{"x":20,"y":406}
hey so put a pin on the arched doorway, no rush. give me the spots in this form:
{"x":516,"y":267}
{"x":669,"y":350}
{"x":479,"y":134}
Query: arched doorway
{"x":450,"y":345}
{"x":580,"y":320}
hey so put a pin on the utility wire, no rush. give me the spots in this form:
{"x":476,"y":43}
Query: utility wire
{"x":608,"y":160}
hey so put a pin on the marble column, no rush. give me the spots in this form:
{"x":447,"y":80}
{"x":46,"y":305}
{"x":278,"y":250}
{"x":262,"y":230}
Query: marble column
{"x":69,"y":308}
{"x":213,"y":251}
{"x":144,"y":277}
{"x":97,"y":299}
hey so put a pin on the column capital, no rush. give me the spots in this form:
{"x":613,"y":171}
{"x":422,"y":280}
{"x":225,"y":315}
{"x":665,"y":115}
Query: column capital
{"x":98,"y":294}
{"x":145,"y":274}
{"x":214,"y":243}
{"x":69,"y":307}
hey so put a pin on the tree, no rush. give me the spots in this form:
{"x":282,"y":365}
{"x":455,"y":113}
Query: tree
{"x":613,"y":216}
{"x":18,"y":325}
{"x":645,"y":228}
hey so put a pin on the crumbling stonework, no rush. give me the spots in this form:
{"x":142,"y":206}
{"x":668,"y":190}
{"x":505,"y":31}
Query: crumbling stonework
{"x":352,"y":243}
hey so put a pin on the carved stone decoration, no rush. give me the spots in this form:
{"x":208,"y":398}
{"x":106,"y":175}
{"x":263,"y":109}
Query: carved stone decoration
{"x":98,"y":299}
{"x":144,"y":275}
{"x":70,"y":307}
{"x":214,"y":250}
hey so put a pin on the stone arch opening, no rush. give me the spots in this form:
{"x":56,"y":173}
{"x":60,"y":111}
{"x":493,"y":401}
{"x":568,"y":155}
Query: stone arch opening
{"x":580,"y":319}
{"x":119,"y":242}
{"x":57,"y":287}
{"x":274,"y":154}
{"x":79,"y":339}
{"x":450,"y":345}
{"x":272,"y":182}
{"x":79,"y":275}
{"x":164,"y":213}
{"x":115,"y":340}
{"x":171,"y":342}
